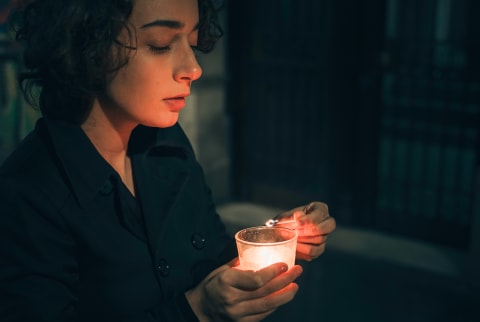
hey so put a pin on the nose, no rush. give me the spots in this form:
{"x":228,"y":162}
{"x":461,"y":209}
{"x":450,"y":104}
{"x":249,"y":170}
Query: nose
{"x":186,"y":68}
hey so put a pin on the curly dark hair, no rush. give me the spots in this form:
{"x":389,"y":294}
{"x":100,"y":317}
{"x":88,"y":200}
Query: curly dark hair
{"x":67,"y":50}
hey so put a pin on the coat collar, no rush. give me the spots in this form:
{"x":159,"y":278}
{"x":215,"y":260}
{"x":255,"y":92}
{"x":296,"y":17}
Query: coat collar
{"x":161,"y":160}
{"x":88,"y":172}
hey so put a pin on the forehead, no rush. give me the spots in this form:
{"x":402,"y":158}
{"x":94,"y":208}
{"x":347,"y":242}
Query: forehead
{"x":146,"y":11}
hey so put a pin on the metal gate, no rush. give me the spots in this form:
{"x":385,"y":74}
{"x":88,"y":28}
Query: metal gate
{"x":372,"y":107}
{"x":429,"y":119}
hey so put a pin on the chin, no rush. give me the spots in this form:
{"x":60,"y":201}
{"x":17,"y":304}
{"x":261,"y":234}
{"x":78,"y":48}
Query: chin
{"x":163,"y":123}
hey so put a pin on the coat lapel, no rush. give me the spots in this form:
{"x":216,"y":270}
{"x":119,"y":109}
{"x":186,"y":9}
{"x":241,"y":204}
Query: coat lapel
{"x":159,"y":183}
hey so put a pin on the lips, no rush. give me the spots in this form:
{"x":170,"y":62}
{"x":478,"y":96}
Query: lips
{"x":177,"y":102}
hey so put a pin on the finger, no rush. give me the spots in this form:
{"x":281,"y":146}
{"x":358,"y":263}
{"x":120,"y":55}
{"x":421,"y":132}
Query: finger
{"x":263,"y":306}
{"x":310,"y":226}
{"x":312,"y":240}
{"x":280,"y":297}
{"x":272,"y":286}
{"x":278,"y":282}
{"x":240,"y":293}
{"x":288,"y":213}
{"x":317,"y":211}
{"x":309,"y":252}
{"x":234,"y":262}
{"x":250,"y":280}
{"x":277,"y":299}
{"x":328,"y":225}
{"x":220,"y":269}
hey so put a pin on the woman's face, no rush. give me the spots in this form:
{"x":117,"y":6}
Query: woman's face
{"x":152,"y":88}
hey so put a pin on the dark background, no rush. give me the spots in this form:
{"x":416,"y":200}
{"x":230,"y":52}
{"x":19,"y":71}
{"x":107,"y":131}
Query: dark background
{"x":372,"y":105}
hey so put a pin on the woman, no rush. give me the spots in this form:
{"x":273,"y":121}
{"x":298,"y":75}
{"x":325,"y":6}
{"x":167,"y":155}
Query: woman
{"x":105,"y":212}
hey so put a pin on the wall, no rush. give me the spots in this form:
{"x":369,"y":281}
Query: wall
{"x":206,"y":122}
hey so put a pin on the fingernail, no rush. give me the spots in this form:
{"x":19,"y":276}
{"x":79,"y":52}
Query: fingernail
{"x":284,"y":268}
{"x":299,"y":270}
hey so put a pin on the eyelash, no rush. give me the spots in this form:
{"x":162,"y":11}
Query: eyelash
{"x":161,"y":50}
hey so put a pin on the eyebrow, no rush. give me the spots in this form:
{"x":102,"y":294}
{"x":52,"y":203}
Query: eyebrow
{"x":173,"y":24}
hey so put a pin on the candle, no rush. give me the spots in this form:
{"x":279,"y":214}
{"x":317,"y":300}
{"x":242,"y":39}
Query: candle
{"x":259,"y":247}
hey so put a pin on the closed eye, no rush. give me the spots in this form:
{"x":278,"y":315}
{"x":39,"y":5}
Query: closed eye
{"x":159,"y":50}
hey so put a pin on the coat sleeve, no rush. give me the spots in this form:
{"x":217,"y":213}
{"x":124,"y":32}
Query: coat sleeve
{"x":38,"y":270}
{"x":176,"y":310}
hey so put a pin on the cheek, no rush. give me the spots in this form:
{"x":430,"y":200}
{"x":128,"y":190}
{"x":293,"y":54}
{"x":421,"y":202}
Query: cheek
{"x":145,"y":78}
{"x":140,"y":83}
{"x":127,"y":84}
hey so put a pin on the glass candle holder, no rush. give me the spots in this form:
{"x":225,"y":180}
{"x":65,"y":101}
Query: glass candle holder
{"x":262,"y":246}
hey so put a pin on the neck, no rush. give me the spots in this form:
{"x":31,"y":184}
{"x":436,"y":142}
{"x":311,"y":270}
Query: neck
{"x":110,"y":138}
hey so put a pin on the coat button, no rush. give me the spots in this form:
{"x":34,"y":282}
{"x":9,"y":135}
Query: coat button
{"x":163,"y":267}
{"x":198,"y":241}
{"x":107,"y":187}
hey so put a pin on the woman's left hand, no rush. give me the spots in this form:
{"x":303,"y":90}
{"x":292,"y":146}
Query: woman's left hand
{"x":313,"y":223}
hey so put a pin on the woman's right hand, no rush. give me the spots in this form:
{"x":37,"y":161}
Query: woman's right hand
{"x":230,"y":294}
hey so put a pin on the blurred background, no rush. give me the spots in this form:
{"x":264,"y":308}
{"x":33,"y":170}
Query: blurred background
{"x":370,"y":106}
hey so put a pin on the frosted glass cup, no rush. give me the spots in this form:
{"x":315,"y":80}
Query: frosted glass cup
{"x":262,"y":246}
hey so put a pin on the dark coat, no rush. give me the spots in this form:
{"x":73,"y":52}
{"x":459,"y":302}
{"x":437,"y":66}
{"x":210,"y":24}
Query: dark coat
{"x":75,"y":245}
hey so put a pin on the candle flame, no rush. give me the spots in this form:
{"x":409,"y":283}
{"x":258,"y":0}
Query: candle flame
{"x":271,"y":222}
{"x":289,"y":223}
